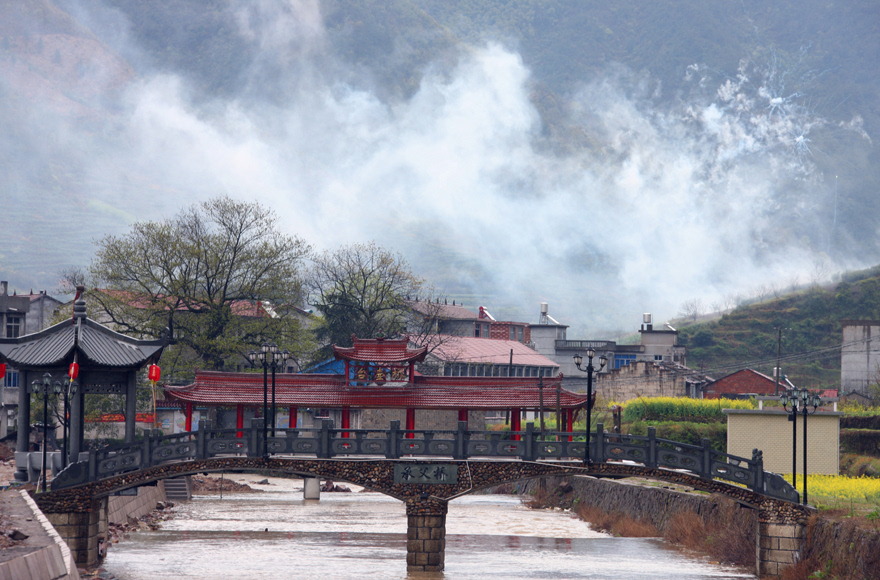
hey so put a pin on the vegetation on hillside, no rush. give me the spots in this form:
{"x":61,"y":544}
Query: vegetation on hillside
{"x":811,"y":332}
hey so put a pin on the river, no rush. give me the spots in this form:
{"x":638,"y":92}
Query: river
{"x":278,"y":535}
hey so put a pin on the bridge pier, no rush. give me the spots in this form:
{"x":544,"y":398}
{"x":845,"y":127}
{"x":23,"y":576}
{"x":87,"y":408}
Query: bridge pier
{"x":778,"y":544}
{"x":82,"y":530}
{"x":311,"y":487}
{"x":425,"y":534}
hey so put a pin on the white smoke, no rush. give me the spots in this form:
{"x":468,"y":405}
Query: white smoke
{"x":662,"y":204}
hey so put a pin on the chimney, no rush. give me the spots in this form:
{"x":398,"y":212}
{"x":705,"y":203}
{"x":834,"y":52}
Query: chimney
{"x":4,"y":288}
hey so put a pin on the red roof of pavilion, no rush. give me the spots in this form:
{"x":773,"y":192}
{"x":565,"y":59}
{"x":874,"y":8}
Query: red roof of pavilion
{"x":331,"y":391}
{"x":380,"y":350}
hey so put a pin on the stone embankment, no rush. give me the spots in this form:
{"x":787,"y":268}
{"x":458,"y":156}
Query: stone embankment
{"x":655,"y":505}
{"x":33,"y":550}
{"x":841,"y":549}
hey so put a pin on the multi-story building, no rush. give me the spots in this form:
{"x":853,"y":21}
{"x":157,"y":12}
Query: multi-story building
{"x":19,"y":315}
{"x":657,"y":346}
{"x":860,"y":356}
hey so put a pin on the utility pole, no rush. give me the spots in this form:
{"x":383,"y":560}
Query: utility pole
{"x":778,"y":357}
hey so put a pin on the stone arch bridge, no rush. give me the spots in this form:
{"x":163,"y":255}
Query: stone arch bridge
{"x":425,"y":482}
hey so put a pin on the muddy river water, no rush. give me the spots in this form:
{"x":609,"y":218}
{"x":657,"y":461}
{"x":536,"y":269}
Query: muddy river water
{"x":278,"y":535}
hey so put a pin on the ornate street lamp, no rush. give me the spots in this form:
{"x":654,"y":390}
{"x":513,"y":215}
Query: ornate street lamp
{"x":269,"y":357}
{"x":799,"y":400}
{"x":46,"y":388}
{"x":578,"y":359}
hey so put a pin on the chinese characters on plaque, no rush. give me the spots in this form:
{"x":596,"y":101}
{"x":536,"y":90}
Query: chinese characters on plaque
{"x":425,"y":473}
{"x":379,"y":374}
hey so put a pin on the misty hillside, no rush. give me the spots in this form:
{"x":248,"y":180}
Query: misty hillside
{"x":609,"y":158}
{"x":811,"y":332}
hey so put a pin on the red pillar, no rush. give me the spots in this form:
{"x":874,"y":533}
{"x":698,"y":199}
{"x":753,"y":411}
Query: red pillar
{"x":346,"y":421}
{"x":189,"y":416}
{"x":463,"y":415}
{"x":239,"y":419}
{"x":515,"y":423}
{"x":569,"y":415}
{"x":293,"y":418}
{"x":410,"y":423}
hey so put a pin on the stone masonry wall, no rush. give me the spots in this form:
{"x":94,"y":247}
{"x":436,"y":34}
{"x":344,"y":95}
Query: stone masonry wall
{"x":640,"y":379}
{"x":122,"y":507}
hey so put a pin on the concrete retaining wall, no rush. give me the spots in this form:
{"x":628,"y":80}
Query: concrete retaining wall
{"x":54,"y":562}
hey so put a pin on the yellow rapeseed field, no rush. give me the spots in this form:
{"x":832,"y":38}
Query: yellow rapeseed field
{"x":678,"y":408}
{"x":839,"y":486}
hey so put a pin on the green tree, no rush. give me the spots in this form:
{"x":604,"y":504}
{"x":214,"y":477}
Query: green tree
{"x":361,"y":290}
{"x":219,"y":275}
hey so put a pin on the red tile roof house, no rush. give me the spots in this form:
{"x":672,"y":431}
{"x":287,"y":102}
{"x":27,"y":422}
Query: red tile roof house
{"x":456,"y":320}
{"x":744,"y":382}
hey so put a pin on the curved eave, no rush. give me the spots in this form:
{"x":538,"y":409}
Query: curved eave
{"x":98,"y":345}
{"x":384,"y":353}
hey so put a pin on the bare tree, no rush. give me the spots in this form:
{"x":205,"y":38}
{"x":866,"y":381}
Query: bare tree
{"x":730,"y":301}
{"x":760,"y":293}
{"x":820,"y":271}
{"x":691,"y":309}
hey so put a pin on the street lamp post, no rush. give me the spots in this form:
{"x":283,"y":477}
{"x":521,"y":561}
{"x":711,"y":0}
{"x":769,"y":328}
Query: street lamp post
{"x":269,"y":357}
{"x":578,"y":359}
{"x":68,"y":392}
{"x":45,"y":388}
{"x":799,"y":400}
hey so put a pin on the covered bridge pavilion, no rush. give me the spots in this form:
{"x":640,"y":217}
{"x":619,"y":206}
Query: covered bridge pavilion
{"x":380,"y":374}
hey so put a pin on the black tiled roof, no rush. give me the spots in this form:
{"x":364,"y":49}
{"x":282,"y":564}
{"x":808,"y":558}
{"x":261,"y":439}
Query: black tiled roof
{"x":98,"y":345}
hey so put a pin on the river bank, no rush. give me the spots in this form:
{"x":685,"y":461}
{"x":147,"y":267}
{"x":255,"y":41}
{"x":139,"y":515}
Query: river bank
{"x":836,"y":546}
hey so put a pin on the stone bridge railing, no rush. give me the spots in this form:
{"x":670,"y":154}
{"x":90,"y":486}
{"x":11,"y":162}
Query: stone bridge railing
{"x":328,"y":442}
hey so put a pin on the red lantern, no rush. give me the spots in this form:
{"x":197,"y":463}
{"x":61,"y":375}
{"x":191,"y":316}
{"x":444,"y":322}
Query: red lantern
{"x":155,"y":373}
{"x":2,"y":370}
{"x":73,"y":372}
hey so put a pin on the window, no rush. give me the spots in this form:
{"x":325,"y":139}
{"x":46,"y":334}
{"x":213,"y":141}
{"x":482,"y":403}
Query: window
{"x":512,"y":333}
{"x":13,"y":326}
{"x":481,"y":330}
{"x":11,"y":379}
{"x":658,"y":357}
{"x":521,"y":332}
{"x":621,"y":360}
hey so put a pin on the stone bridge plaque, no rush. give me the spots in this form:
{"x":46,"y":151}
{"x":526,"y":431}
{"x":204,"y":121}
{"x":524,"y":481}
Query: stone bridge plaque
{"x":425,"y":473}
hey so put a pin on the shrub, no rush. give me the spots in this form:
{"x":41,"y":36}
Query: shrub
{"x":860,"y":441}
{"x":685,"y":432}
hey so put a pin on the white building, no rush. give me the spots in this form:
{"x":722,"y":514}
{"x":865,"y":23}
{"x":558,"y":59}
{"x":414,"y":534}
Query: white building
{"x":859,"y":356}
